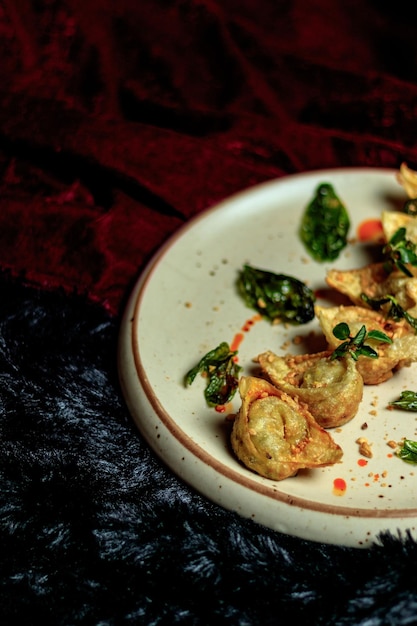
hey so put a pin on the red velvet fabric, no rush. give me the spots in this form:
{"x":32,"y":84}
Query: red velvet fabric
{"x":120,"y":120}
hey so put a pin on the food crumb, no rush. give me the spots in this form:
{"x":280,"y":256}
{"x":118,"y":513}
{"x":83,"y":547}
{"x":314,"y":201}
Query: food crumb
{"x":392,"y":444}
{"x":364,"y":447}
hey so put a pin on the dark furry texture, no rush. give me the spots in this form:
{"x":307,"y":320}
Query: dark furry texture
{"x":95,"y":529}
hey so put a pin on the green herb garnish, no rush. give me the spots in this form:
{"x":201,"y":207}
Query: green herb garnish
{"x":395,"y":311}
{"x":325,"y":225}
{"x":399,"y":252}
{"x":407,"y":401}
{"x":408,"y":451}
{"x":410,"y":207}
{"x":222,"y":372}
{"x":277,"y":297}
{"x":355,"y":345}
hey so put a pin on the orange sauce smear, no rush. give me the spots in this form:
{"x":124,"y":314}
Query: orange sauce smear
{"x":370,"y":230}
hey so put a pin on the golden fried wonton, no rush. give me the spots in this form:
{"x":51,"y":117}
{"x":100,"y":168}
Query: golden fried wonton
{"x":332,"y":389}
{"x":393,"y":220}
{"x":275,"y":435}
{"x":408,"y":179}
{"x":375,"y":282}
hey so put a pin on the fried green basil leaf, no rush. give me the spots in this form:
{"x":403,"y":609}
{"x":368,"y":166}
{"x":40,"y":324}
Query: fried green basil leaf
{"x":325,"y":224}
{"x":408,"y":451}
{"x":407,"y":401}
{"x":277,"y":297}
{"x":222,"y":373}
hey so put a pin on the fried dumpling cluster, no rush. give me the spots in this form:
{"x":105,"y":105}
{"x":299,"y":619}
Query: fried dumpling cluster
{"x":376,"y":280}
{"x":391,"y":356}
{"x":275,"y":435}
{"x":280,"y":426}
{"x":332,"y":389}
{"x":381,"y":283}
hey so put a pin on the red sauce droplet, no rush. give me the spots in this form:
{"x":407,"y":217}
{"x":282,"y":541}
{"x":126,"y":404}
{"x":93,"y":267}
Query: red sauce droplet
{"x":339,"y":487}
{"x":371,"y":230}
{"x":362,"y":462}
{"x":220,"y":408}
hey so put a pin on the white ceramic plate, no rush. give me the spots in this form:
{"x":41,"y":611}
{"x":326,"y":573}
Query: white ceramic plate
{"x":185,"y":304}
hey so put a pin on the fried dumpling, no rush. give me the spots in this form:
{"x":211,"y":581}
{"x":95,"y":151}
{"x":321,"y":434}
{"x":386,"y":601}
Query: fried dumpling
{"x":275,"y":435}
{"x":408,"y":179}
{"x":393,"y":220}
{"x":402,"y":351}
{"x":352,"y":283}
{"x":373,"y":281}
{"x":332,"y":389}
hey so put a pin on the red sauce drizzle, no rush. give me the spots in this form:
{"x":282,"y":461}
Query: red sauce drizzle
{"x":238,"y":338}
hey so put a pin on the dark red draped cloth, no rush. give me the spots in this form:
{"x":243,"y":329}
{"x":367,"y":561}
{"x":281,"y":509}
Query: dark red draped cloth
{"x":119,"y":121}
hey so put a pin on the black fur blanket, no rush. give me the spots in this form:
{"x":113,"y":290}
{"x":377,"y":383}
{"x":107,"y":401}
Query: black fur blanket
{"x":96,"y":530}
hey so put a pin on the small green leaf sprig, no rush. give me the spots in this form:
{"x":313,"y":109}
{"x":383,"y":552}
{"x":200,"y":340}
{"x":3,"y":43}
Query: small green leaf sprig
{"x":399,"y":252}
{"x":396,"y":311}
{"x":354,"y":345}
{"x":410,"y":207}
{"x":222,"y":371}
